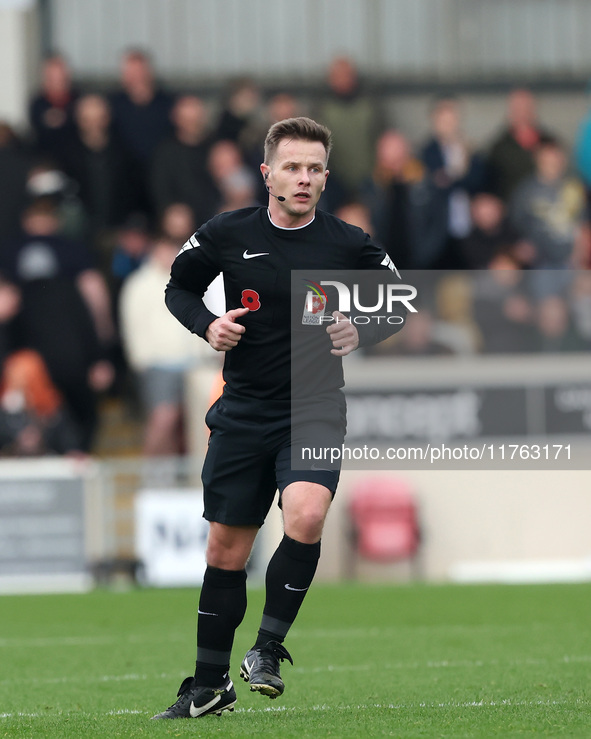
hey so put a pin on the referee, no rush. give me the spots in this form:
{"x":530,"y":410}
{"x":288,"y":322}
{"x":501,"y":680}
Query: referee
{"x":249,"y":454}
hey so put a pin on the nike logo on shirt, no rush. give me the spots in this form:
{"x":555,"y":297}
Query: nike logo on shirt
{"x":297,"y":590}
{"x":246,"y":255}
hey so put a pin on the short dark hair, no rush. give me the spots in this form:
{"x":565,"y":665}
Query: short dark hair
{"x":301,"y":128}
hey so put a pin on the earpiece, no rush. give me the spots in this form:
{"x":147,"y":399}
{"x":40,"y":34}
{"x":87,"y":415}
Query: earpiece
{"x":280,"y":198}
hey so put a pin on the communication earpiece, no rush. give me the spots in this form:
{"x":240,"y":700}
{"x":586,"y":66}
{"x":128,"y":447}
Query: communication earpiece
{"x":280,"y":198}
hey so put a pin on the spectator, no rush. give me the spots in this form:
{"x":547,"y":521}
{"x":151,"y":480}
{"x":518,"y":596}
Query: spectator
{"x":491,"y":234}
{"x":547,"y":209}
{"x":132,"y":244}
{"x":282,"y":106}
{"x":391,"y":195}
{"x":51,"y":110}
{"x":454,"y":325}
{"x":47,"y":181}
{"x":502,"y":308}
{"x":242,"y":102}
{"x":233,"y":179}
{"x":64,"y":313}
{"x":354,"y":121}
{"x":556,"y":332}
{"x":580,"y":304}
{"x":357,"y":214}
{"x":582,"y":154}
{"x":240,"y":120}
{"x":100,"y":165}
{"x":179,"y":172}
{"x":14,"y":165}
{"x":33,"y":417}
{"x":177,"y":223}
{"x":159,"y":349}
{"x":141,"y":114}
{"x":512,"y":154}
{"x":456,"y":172}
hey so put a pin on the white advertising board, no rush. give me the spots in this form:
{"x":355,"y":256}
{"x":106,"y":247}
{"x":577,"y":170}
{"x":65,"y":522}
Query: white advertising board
{"x":171,"y":535}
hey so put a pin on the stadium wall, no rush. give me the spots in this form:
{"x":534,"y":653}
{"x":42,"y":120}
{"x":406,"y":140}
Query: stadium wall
{"x":445,"y":40}
{"x":481,"y":526}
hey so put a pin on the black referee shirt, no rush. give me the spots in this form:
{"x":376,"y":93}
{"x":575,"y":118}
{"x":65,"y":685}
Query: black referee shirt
{"x":256,"y":259}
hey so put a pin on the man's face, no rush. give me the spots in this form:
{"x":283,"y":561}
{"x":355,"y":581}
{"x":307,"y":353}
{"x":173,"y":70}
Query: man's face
{"x":298,"y":173}
{"x":522,"y":108}
{"x":189,"y":115}
{"x":92,"y":112}
{"x":135,"y":72}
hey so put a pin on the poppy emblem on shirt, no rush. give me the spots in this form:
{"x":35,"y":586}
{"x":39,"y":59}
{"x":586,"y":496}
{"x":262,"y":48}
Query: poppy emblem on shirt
{"x":251,"y":299}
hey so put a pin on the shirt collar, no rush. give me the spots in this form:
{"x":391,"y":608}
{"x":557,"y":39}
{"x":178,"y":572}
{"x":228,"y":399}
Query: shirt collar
{"x":295,"y":228}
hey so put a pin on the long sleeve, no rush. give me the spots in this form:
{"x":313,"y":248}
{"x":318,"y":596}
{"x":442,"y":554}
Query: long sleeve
{"x":384,"y":273}
{"x":193,"y":270}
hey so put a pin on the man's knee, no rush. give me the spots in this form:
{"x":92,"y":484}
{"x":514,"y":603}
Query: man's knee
{"x":229,"y":547}
{"x":305,"y":506}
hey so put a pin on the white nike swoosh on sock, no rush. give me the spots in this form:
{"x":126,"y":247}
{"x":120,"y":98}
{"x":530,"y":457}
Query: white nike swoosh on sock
{"x":205,"y":613}
{"x":297,"y":590}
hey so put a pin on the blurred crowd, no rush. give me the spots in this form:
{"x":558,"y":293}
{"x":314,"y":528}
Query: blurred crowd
{"x":98,"y":196}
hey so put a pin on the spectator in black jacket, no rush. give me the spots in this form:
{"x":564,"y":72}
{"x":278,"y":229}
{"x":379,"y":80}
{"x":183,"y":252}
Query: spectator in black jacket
{"x":141,"y":113}
{"x":64,"y":311}
{"x":51,"y":110}
{"x":492,"y":234}
{"x":456,"y":172}
{"x":511,"y":159}
{"x":179,"y":171}
{"x":391,"y":195}
{"x":98,"y":162}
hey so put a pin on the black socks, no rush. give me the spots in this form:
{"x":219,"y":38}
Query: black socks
{"x":222,"y":606}
{"x":289,"y":575}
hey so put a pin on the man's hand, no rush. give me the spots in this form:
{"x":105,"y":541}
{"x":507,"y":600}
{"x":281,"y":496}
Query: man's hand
{"x":343,"y":335}
{"x":224,"y":333}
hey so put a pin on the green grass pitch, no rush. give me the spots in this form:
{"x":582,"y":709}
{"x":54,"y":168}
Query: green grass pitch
{"x":402,"y":661}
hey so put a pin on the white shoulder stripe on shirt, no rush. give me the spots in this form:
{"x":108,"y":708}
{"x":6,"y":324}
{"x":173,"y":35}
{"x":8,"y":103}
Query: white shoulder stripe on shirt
{"x":387,"y":262}
{"x":192,"y":243}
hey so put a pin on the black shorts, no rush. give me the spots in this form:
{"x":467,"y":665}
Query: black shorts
{"x":249,"y":458}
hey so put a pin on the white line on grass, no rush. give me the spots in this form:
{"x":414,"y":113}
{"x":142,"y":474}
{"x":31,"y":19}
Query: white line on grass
{"x":504,"y":703}
{"x":429,"y":665}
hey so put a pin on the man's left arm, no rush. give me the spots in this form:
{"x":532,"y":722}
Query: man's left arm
{"x":391,"y":317}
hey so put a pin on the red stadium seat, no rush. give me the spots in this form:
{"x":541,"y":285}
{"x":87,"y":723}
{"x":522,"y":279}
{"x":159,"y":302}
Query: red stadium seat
{"x":384,"y":519}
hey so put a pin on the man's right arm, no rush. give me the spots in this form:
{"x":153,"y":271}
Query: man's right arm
{"x":194,"y":268}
